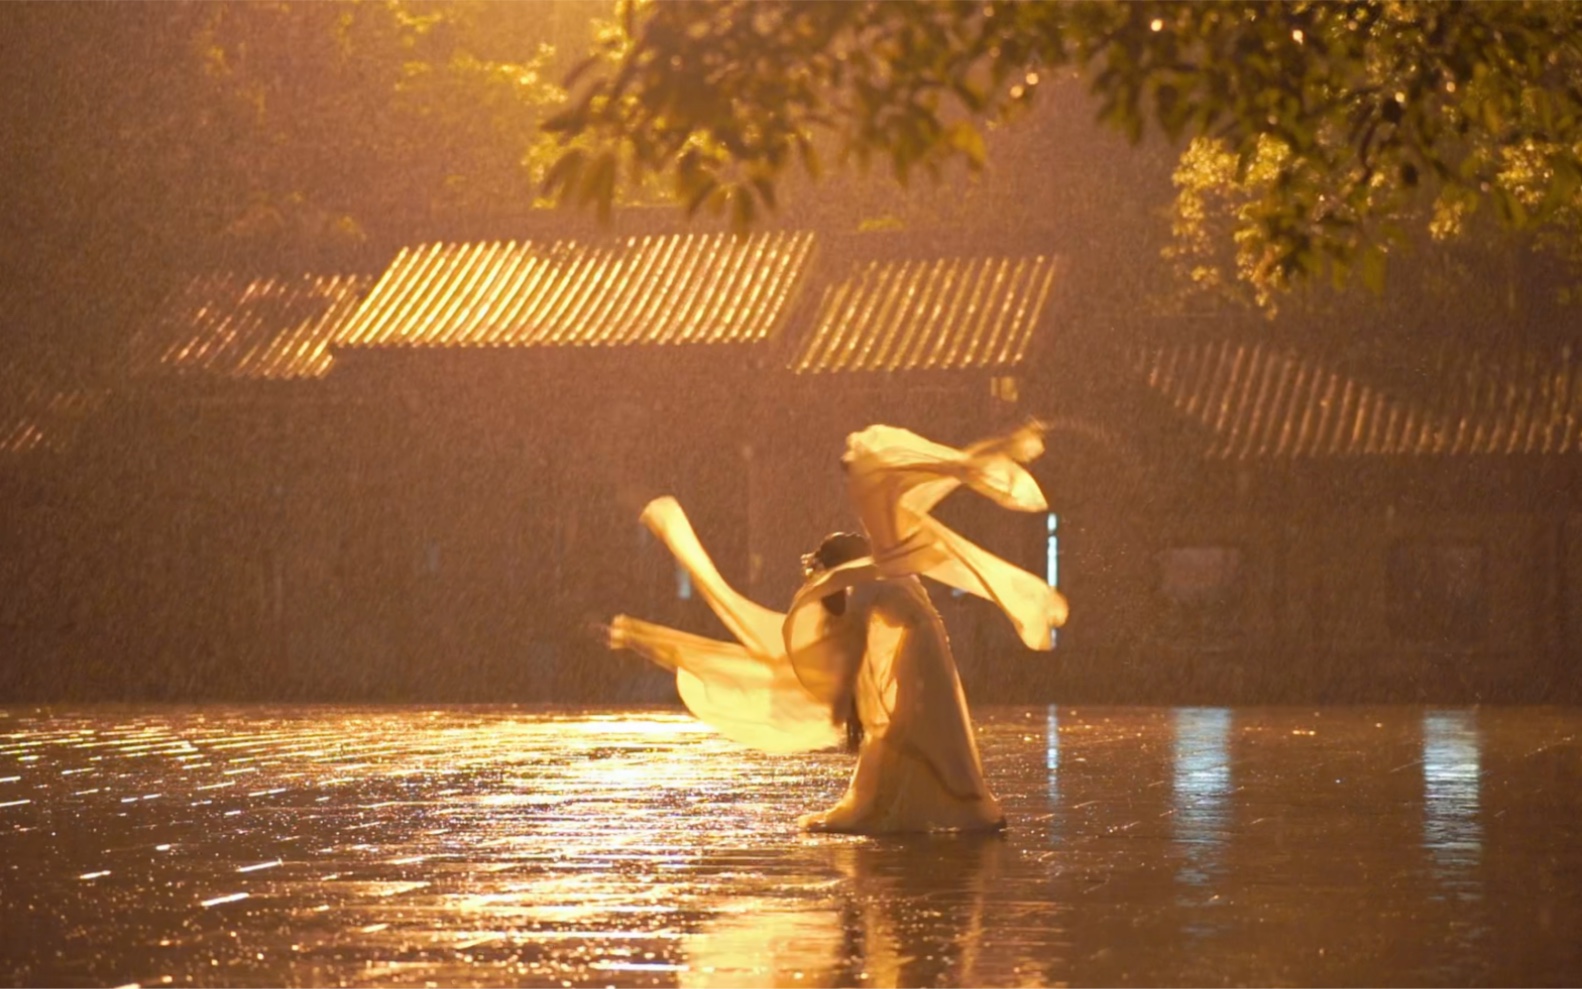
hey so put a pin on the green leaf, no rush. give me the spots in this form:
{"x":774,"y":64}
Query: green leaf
{"x":809,"y":156}
{"x":1567,"y":180}
{"x":765,"y":188}
{"x":564,"y":174}
{"x":969,"y":95}
{"x":966,"y":139}
{"x":700,"y":193}
{"x":571,"y":120}
{"x":1508,"y":207}
{"x":598,"y":185}
{"x":743,"y":208}
{"x":1167,"y":100}
{"x":1372,"y":265}
{"x":576,"y":72}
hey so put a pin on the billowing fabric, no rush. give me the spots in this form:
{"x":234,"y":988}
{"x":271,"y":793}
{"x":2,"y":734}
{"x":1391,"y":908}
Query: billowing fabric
{"x":896,"y":477}
{"x":746,"y":690}
{"x":790,"y":680}
{"x":918,"y":768}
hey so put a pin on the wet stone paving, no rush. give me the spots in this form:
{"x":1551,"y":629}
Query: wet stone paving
{"x":518,"y":846}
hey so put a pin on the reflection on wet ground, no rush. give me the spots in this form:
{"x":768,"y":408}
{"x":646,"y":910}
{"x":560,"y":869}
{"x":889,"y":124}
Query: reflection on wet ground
{"x":324,"y":846}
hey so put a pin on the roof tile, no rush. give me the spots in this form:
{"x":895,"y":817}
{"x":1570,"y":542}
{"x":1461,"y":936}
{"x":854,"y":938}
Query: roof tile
{"x":930,"y":314}
{"x":239,"y":327}
{"x":1260,"y":401}
{"x":660,"y":290}
{"x":42,"y":418}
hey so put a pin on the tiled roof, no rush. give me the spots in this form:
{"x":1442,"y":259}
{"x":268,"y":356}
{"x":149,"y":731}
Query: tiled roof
{"x":678,"y":289}
{"x":45,"y":418}
{"x":941,"y":313}
{"x":1258,"y":400}
{"x":238,"y":327}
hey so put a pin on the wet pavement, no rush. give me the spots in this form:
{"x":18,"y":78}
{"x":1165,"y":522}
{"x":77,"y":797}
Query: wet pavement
{"x":496,"y":846}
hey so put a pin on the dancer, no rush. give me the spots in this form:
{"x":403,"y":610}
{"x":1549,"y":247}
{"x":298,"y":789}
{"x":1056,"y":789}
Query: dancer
{"x":862,"y":654}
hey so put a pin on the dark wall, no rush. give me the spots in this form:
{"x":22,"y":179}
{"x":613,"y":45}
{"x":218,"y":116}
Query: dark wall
{"x":457,"y":526}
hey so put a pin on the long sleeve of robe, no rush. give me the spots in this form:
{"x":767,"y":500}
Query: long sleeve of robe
{"x":788,"y":680}
{"x":747,"y":690}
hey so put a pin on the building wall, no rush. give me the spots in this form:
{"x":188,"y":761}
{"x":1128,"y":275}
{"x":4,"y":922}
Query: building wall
{"x":1568,"y":589}
{"x":456,"y":529}
{"x":1315,"y":612}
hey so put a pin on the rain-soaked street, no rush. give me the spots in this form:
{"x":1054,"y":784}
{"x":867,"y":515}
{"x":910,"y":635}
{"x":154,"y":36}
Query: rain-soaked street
{"x":490,"y":846}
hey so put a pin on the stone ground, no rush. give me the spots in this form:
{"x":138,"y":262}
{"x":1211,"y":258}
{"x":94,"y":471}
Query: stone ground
{"x":489,"y":846}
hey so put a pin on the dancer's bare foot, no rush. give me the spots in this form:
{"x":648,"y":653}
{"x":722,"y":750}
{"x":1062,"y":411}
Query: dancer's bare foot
{"x":814,"y":823}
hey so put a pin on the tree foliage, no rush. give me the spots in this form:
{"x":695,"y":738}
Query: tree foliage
{"x":1318,"y":132}
{"x":285,"y":122}
{"x":146,"y":139}
{"x":356,"y":113}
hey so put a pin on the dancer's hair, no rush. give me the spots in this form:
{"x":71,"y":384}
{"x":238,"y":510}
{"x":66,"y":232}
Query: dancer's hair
{"x":838,"y":548}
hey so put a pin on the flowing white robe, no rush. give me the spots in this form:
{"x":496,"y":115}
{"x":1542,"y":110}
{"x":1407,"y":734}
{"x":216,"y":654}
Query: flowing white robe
{"x":788,"y":681}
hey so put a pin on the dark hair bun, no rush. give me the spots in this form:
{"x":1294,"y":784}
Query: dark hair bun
{"x":840,"y":547}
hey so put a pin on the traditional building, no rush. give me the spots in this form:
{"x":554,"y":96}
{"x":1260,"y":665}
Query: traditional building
{"x":1346,"y":531}
{"x":422,"y":480}
{"x":533,"y":396}
{"x":44,"y":549}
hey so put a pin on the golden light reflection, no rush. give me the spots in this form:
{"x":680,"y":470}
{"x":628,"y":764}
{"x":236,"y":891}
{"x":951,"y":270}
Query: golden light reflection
{"x":1452,"y":830}
{"x":897,"y":940}
{"x":1052,"y":754}
{"x":1202,"y":781}
{"x":762,"y":943}
{"x":489,"y":847}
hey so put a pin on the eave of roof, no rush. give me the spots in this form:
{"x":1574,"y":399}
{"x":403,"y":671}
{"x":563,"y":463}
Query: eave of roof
{"x":234,"y":326}
{"x":46,"y":419}
{"x":659,"y":290}
{"x":1259,"y":401}
{"x":927,"y":314}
